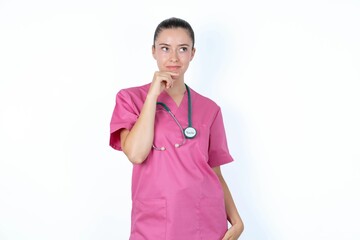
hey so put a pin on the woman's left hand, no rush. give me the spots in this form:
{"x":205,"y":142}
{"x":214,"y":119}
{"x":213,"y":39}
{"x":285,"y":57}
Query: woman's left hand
{"x":233,"y":233}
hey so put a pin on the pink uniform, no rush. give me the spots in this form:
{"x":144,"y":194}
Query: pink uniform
{"x":176,"y":195}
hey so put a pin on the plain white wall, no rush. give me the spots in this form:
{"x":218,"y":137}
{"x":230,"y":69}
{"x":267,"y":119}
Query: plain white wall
{"x":286,"y":74}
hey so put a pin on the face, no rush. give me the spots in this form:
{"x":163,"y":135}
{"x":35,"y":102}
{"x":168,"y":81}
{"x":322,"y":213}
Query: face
{"x":173,"y":51}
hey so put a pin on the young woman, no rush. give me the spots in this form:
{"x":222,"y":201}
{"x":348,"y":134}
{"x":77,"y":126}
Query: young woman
{"x":176,"y":140}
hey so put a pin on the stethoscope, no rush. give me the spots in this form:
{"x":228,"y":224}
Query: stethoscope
{"x":189,"y":132}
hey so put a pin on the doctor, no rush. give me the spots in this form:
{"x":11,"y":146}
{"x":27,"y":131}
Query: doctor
{"x":176,"y":140}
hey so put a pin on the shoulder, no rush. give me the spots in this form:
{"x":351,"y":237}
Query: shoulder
{"x":204,"y":109}
{"x":136,"y":95}
{"x":204,"y":102}
{"x":135,"y":91}
{"x":133,"y":97}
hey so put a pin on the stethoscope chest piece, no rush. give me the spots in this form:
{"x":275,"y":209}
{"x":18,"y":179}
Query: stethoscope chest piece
{"x":190,"y":132}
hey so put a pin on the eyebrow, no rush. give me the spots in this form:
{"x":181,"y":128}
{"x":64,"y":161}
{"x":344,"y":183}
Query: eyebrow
{"x":180,"y":45}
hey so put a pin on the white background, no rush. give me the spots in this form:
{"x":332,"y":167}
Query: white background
{"x":286,"y":74}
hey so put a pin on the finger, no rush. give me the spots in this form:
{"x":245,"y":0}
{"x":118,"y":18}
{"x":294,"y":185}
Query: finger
{"x":160,"y":82}
{"x":175,"y":74}
{"x":164,"y":79}
{"x":167,"y":83}
{"x":171,"y":75}
{"x":168,"y":79}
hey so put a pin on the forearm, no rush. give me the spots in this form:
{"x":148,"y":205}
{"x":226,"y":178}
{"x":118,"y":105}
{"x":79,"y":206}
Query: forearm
{"x":231,"y":210}
{"x":137,"y":143}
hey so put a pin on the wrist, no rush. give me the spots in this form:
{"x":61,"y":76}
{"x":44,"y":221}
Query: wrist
{"x":150,"y":97}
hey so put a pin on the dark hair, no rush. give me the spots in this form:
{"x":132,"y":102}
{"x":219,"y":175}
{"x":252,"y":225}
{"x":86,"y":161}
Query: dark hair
{"x":174,"y":23}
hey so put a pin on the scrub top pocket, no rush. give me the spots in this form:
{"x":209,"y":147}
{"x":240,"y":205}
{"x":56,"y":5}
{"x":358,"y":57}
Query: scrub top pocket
{"x":149,"y":219}
{"x":213,"y":221}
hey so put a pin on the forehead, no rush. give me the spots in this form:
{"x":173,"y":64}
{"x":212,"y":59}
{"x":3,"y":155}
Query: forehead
{"x":174,"y":36}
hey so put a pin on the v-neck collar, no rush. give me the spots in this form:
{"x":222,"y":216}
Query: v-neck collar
{"x":169,"y":101}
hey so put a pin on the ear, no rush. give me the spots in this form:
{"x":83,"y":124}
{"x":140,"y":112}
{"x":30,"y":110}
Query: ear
{"x":192,"y":53}
{"x":153,"y":51}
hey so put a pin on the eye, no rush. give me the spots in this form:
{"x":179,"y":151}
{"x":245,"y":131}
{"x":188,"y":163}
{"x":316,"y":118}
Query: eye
{"x":165,"y":49}
{"x":183,"y":49}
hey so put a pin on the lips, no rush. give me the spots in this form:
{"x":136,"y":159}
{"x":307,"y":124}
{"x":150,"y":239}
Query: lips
{"x":173,"y":68}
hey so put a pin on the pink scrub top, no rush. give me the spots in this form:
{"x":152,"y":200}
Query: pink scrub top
{"x":175,"y":193}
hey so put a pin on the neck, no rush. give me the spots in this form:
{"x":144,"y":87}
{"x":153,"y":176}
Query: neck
{"x":177,"y":89}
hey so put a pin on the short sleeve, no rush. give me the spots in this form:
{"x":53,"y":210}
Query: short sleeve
{"x":218,"y":148}
{"x":124,"y":116}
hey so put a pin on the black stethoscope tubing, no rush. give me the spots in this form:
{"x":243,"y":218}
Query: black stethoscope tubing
{"x":189,"y":132}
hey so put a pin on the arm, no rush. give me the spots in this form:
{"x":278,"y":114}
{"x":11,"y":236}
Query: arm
{"x":137,"y":142}
{"x":231,"y":211}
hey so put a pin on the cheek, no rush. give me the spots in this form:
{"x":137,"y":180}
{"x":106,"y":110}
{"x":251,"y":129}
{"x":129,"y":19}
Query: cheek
{"x":163,"y":56}
{"x":185,"y":57}
{"x":160,"y":58}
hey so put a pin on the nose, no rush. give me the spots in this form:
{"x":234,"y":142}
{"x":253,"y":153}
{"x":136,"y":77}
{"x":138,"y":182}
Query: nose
{"x":174,"y":56}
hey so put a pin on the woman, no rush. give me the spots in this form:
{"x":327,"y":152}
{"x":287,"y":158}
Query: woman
{"x":176,"y":140}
